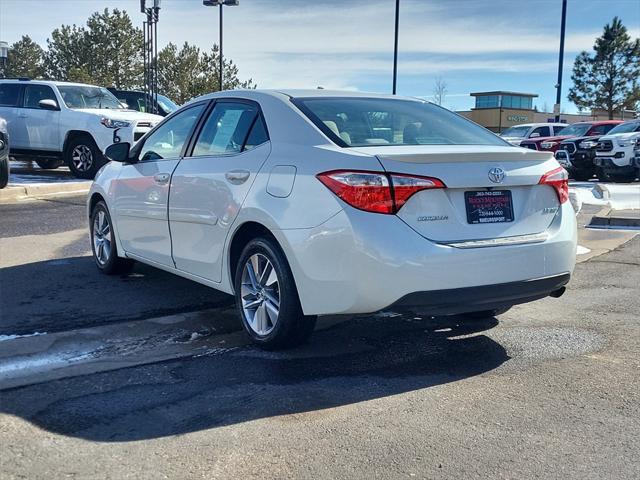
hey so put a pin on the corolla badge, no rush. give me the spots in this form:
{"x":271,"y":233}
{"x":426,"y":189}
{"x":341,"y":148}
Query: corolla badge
{"x":496,"y":175}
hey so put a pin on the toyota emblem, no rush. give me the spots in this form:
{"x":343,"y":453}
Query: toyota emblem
{"x":496,"y":175}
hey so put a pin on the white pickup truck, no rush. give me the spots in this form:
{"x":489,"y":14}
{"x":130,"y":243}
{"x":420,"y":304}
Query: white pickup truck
{"x":615,"y":152}
{"x":72,"y":123}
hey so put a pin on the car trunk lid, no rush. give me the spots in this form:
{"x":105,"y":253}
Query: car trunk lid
{"x":469,"y":208}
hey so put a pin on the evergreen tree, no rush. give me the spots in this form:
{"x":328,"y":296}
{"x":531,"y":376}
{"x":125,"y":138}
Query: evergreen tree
{"x":607,"y":79}
{"x":25,"y":59}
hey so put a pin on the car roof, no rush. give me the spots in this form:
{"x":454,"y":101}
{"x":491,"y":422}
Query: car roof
{"x":45,"y":82}
{"x":283,"y":94}
{"x":541,"y":124}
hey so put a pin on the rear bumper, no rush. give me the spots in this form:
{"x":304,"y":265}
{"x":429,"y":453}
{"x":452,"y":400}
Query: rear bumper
{"x":485,"y":297}
{"x":358,"y":262}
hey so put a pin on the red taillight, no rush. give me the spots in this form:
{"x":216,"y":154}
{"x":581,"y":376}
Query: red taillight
{"x":376,"y":192}
{"x":558,"y":178}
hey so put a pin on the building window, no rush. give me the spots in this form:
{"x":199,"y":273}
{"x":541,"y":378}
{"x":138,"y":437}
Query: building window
{"x":487,"y":101}
{"x":516,"y":101}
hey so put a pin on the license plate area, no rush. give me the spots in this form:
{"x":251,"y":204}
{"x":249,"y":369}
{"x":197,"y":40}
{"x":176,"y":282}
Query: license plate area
{"x":489,"y":206}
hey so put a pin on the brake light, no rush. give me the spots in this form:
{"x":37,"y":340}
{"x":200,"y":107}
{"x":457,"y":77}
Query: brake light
{"x":376,"y":192}
{"x":558,"y":178}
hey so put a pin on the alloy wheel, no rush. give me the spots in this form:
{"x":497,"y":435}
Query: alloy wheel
{"x":101,"y":237}
{"x":260,"y":294}
{"x":82,"y":158}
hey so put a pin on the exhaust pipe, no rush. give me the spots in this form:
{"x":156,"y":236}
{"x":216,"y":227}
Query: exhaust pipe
{"x":558,"y":293}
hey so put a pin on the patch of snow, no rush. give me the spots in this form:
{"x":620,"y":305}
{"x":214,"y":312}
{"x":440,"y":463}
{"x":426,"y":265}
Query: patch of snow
{"x":4,"y":338}
{"x":582,"y":250}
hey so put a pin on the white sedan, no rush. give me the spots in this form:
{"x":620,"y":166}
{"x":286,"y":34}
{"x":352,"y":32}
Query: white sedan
{"x":307,"y":203}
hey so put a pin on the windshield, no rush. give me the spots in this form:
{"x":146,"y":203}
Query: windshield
{"x":625,"y":128}
{"x":80,"y":96}
{"x":166,"y":104}
{"x":356,"y":122}
{"x":575,"y":130}
{"x":519,"y":132}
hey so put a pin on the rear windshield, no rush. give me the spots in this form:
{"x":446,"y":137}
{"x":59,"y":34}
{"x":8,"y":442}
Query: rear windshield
{"x":357,"y":122}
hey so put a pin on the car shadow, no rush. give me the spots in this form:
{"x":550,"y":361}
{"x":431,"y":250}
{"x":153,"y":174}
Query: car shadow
{"x":362,"y":359}
{"x":70,"y":293}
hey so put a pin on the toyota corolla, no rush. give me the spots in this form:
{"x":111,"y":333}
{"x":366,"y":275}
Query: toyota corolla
{"x":308,"y":203}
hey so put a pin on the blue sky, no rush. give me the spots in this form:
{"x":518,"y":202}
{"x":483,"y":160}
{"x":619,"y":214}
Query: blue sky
{"x":474,"y":45}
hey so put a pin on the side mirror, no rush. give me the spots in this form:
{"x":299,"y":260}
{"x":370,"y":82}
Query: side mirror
{"x":48,"y":104}
{"x":118,"y":152}
{"x":125,"y":105}
{"x":534,"y":135}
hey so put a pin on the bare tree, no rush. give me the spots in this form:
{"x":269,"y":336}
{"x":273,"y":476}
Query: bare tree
{"x":439,"y":90}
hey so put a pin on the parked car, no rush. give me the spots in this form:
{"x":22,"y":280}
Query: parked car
{"x":576,"y":154}
{"x":636,"y":156}
{"x":135,"y":100}
{"x":551,"y":144}
{"x":295,"y":203}
{"x":516,"y":134}
{"x":4,"y":154}
{"x":72,"y":123}
{"x":615,"y":152}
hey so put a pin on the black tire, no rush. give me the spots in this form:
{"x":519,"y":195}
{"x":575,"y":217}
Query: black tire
{"x":581,"y":175}
{"x":49,"y":163}
{"x":291,"y":327}
{"x":113,"y":264}
{"x":4,"y":172}
{"x":616,"y":177}
{"x":83,"y":157}
{"x":487,"y":313}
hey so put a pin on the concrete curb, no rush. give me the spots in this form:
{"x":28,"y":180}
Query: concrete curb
{"x":609,"y":218}
{"x":14,"y":193}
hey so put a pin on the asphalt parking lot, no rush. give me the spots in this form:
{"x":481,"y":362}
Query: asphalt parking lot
{"x":548,"y":390}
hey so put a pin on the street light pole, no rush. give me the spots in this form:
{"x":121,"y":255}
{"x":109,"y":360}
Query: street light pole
{"x":556,"y":107}
{"x":220,"y":3}
{"x":220,"y":81}
{"x":395,"y":49}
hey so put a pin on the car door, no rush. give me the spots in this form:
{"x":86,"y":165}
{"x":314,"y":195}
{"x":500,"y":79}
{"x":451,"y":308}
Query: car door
{"x":209,"y":186}
{"x":40,"y":124}
{"x":10,"y":101}
{"x":142,"y":188}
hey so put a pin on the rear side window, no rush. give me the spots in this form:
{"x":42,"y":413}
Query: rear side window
{"x":9,"y":94}
{"x":356,"y":121}
{"x":34,"y":93}
{"x":226,"y":130}
{"x":542,"y":131}
{"x":258,"y":134}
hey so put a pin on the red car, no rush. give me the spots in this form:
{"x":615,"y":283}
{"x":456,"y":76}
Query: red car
{"x":580,"y":129}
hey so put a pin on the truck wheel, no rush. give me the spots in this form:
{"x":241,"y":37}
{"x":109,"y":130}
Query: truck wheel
{"x":83,"y":157}
{"x":49,"y":163}
{"x":267,"y":298}
{"x":582,"y":175}
{"x":606,"y":176}
{"x":4,"y":172}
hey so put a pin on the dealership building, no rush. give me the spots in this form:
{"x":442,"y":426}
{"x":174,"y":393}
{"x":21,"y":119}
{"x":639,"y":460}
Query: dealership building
{"x":499,"y":110}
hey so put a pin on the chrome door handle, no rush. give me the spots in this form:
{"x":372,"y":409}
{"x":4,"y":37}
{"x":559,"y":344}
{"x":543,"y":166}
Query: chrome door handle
{"x":237,"y":176}
{"x":162,"y":178}
{"x":22,"y":115}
